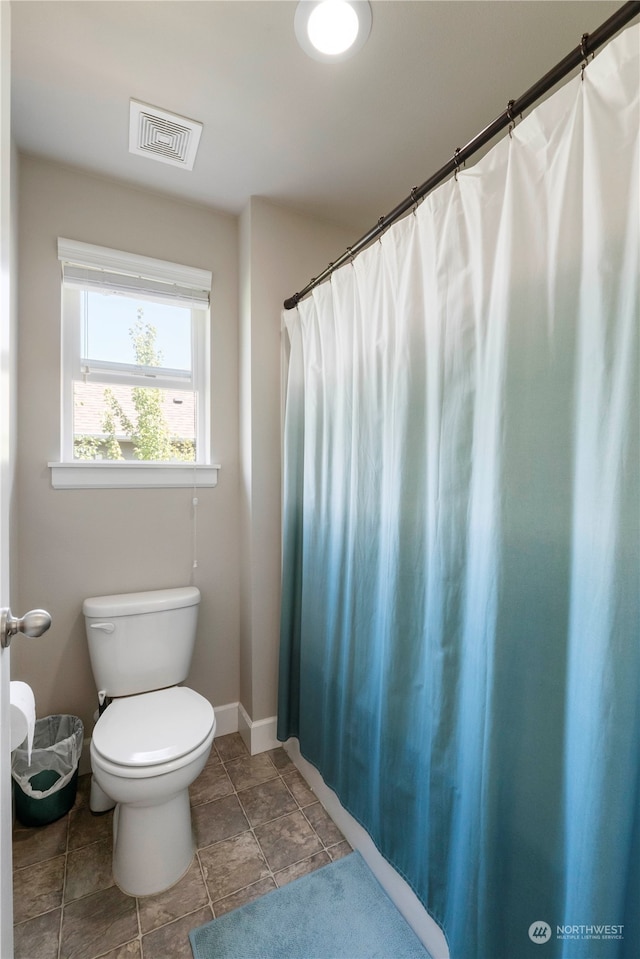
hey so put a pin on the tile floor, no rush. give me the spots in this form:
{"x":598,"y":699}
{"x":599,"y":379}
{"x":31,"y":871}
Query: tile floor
{"x":257,"y":824}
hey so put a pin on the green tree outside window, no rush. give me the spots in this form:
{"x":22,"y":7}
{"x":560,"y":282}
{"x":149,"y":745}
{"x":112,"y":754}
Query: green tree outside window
{"x":148,"y":432}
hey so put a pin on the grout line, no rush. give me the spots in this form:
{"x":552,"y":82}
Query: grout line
{"x":139,"y":936}
{"x":60,"y":925}
{"x":271,"y":873}
{"x":204,"y":881}
{"x":64,"y":885}
{"x":298,"y":808}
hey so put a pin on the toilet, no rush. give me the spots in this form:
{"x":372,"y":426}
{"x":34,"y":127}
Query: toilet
{"x":153,"y":738}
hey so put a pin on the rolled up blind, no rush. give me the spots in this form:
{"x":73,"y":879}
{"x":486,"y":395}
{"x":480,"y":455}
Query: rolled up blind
{"x":86,"y":266}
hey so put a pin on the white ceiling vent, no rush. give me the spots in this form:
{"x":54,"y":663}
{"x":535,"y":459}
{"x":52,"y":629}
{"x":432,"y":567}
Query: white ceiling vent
{"x":163,"y":136}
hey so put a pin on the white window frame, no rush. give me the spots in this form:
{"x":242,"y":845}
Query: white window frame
{"x":137,"y":272}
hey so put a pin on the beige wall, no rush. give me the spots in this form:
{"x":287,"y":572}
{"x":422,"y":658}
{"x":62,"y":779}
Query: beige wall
{"x":71,"y":544}
{"x":280,"y":251}
{"x":77,"y":543}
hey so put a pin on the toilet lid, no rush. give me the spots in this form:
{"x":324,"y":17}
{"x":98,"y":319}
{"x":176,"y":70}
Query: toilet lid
{"x":153,"y":727}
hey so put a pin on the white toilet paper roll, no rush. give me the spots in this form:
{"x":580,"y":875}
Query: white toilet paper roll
{"x":23,"y":715}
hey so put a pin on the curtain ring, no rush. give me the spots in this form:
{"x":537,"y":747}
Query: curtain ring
{"x":456,"y":160}
{"x":509,"y":112}
{"x":414,"y":197}
{"x":512,"y":122}
{"x":381,"y":220}
{"x":585,"y":54}
{"x":583,"y":45}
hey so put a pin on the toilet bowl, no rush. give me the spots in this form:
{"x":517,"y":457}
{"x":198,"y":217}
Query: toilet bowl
{"x":154,"y":738}
{"x":146,"y":750}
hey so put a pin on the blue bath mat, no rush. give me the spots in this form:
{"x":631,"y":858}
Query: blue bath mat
{"x":337,"y":912}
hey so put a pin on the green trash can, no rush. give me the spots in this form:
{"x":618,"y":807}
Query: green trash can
{"x":45,"y":786}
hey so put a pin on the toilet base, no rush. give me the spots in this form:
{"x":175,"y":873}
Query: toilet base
{"x":152,"y":840}
{"x":152,"y":845}
{"x":99,"y":802}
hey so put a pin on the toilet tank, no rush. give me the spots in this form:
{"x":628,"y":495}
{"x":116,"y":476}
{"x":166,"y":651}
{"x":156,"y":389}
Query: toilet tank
{"x":139,"y":642}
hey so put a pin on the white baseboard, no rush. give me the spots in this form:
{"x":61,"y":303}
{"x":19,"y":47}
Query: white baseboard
{"x":400,"y":893}
{"x":257,"y":736}
{"x":226,"y":719}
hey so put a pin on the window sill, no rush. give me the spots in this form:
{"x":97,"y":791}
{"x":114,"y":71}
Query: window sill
{"x":109,"y":475}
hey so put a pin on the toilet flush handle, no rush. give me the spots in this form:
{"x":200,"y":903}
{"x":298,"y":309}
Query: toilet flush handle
{"x":105,"y":627}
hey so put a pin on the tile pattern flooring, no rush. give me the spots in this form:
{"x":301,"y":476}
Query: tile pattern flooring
{"x":257,"y":825}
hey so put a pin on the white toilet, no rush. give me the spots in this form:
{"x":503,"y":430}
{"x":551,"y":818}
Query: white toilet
{"x":154,"y":738}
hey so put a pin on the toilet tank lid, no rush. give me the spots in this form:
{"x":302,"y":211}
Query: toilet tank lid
{"x":132,"y":604}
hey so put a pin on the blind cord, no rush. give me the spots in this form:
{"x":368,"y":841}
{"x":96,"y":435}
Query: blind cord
{"x":194,"y":491}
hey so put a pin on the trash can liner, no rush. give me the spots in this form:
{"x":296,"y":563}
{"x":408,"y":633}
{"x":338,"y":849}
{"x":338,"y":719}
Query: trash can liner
{"x":57,"y":746}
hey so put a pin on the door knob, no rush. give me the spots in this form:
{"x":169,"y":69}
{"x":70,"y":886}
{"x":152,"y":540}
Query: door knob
{"x":34,"y":623}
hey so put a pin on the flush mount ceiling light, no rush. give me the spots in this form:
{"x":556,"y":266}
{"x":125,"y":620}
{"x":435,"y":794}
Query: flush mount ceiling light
{"x":331,"y":30}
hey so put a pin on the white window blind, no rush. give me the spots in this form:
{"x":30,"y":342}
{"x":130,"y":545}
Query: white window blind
{"x":89,"y":278}
{"x":87,"y":266}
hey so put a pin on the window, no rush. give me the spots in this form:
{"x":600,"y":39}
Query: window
{"x":135,"y":371}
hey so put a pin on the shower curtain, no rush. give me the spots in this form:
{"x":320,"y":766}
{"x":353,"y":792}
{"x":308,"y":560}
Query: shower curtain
{"x":460,"y":648}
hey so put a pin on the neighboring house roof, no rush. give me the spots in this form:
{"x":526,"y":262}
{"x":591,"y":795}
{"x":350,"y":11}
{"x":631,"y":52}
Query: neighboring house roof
{"x":89,"y":409}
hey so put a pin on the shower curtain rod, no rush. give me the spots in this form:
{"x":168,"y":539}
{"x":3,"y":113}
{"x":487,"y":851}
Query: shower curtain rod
{"x":589,"y":43}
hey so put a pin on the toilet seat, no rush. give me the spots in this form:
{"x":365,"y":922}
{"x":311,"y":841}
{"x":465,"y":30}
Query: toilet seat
{"x":154,"y":728}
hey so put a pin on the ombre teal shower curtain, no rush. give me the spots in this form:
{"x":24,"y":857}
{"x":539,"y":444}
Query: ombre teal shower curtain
{"x":460,"y":648}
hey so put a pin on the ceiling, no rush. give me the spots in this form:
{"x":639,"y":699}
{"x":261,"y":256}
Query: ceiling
{"x":343,"y":141}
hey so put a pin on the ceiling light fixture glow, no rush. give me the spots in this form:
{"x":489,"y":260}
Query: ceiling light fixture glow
{"x":331,"y":30}
{"x":333,"y":26}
